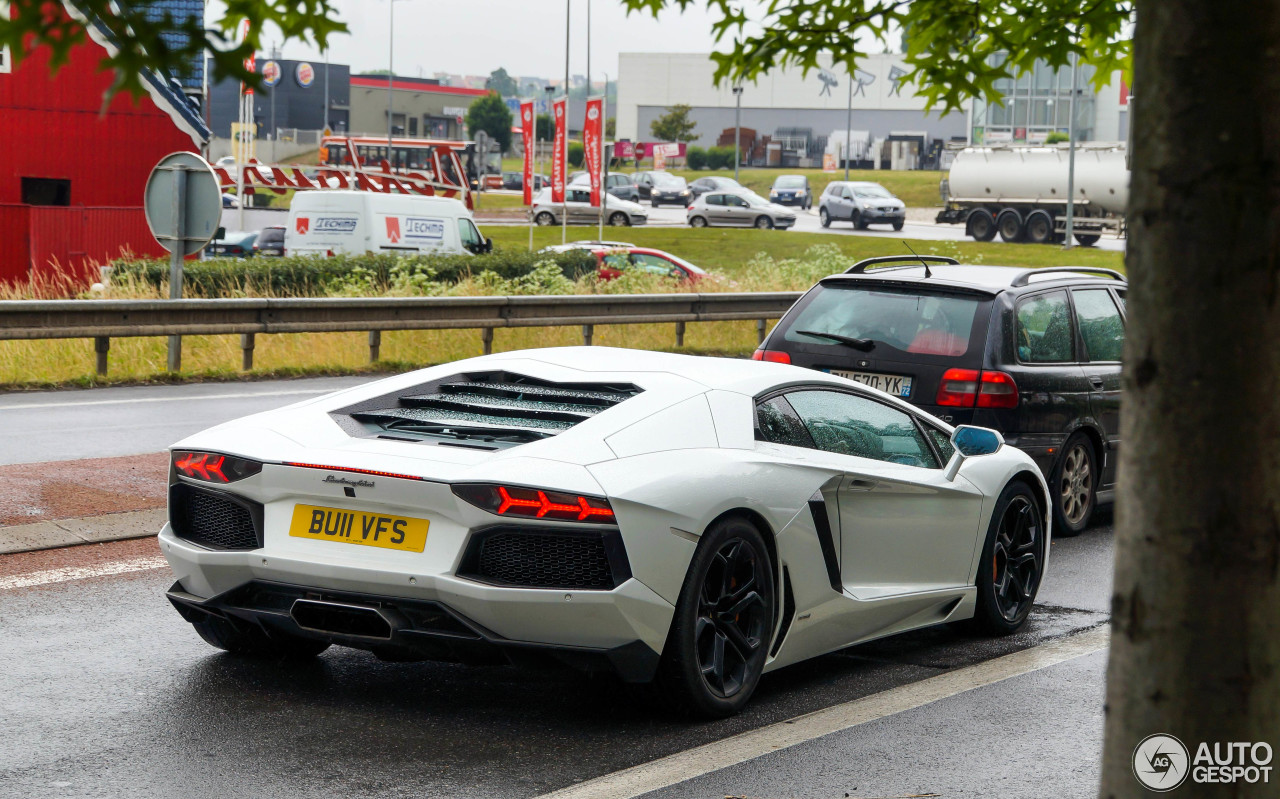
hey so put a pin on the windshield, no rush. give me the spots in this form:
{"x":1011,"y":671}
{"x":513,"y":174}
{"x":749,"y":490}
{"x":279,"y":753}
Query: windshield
{"x":789,"y":182}
{"x":870,"y":192}
{"x":910,"y":321}
{"x":754,"y":200}
{"x":669,"y":180}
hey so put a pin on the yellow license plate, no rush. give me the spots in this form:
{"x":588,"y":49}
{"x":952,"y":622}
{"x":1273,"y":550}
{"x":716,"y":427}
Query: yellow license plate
{"x":359,"y":527}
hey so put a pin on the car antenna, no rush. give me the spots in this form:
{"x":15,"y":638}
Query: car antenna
{"x":927,"y":273}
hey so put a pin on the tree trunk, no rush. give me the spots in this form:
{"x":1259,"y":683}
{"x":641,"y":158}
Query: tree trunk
{"x":1195,"y":651}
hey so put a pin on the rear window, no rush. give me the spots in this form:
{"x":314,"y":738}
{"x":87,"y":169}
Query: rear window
{"x":271,"y":236}
{"x":871,"y":318}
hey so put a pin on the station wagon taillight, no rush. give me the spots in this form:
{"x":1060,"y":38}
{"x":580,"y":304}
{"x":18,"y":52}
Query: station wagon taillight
{"x":772,"y":356}
{"x":968,"y":388}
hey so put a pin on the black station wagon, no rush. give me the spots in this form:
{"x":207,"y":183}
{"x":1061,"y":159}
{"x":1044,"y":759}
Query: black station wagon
{"x":1033,"y":353}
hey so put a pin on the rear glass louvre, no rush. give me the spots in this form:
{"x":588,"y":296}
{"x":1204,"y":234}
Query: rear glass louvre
{"x":495,"y":408}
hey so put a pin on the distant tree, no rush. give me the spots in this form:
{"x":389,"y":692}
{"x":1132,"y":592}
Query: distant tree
{"x":675,"y":125}
{"x":611,"y":127}
{"x":502,"y":83}
{"x":492,"y":116}
{"x":575,"y":154}
{"x":545,"y":127}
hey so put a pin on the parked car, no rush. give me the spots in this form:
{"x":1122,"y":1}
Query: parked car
{"x":328,"y":222}
{"x":738,"y":209}
{"x":617,"y":184}
{"x":615,"y":256}
{"x":233,"y":244}
{"x":582,"y":212}
{"x":690,"y":521}
{"x":861,"y":204}
{"x":514,"y":181}
{"x":270,"y":242}
{"x":792,"y":190}
{"x":663,"y":187}
{"x":1033,"y":353}
{"x":715,"y":183}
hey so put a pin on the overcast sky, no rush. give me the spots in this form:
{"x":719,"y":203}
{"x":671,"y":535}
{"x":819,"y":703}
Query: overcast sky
{"x":475,"y":37}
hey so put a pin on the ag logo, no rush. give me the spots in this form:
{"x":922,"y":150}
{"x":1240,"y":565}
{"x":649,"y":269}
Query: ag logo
{"x":393,"y":229}
{"x":1160,"y":762}
{"x":303,"y":225}
{"x":559,"y":111}
{"x":527,"y":115}
{"x":593,"y":112}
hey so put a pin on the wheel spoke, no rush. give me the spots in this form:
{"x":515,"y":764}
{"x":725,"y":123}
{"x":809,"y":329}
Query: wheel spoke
{"x":751,"y":600}
{"x":744,"y":647}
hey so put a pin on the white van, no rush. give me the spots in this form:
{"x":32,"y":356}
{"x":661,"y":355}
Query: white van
{"x":326,"y":223}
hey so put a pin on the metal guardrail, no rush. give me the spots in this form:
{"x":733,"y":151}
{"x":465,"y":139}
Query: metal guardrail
{"x":103,"y":320}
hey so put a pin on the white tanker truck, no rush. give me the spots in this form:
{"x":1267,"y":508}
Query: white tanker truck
{"x":1020,"y":192}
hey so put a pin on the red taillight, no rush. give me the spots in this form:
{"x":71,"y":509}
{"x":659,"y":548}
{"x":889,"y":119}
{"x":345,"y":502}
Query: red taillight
{"x":997,"y":390}
{"x":536,"y":503}
{"x":772,"y":356}
{"x":213,"y":467}
{"x":968,"y":388}
{"x":958,"y":389}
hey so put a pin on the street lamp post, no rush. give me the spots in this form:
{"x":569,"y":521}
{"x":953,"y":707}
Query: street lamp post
{"x":1071,"y":158}
{"x":848,"y":126}
{"x":737,"y":130}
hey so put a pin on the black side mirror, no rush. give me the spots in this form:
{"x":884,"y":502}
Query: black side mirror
{"x":220,"y":233}
{"x":488,"y":245}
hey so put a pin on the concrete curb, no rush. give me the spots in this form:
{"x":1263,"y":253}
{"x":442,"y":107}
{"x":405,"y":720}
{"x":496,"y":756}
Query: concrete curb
{"x":87,"y":530}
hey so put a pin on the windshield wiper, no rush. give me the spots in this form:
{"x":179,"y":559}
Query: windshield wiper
{"x":864,"y":344}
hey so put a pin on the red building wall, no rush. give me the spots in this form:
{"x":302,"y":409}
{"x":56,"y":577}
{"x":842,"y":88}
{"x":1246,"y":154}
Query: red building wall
{"x":54,"y":126}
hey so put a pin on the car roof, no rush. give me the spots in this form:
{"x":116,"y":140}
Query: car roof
{"x":989,"y":278}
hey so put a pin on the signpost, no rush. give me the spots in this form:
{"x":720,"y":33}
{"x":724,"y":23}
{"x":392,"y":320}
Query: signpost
{"x":183,"y":206}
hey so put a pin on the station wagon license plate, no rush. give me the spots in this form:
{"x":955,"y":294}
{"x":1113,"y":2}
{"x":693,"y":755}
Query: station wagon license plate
{"x":359,"y":527}
{"x":897,"y":385}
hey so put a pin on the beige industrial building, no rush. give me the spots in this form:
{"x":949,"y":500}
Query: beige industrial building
{"x":420,"y":107}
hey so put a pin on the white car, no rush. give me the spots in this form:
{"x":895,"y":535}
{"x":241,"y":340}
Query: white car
{"x":694,"y":521}
{"x":580,"y":211}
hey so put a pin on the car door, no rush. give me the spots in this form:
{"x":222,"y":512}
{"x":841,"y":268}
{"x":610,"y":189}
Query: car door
{"x":737,"y":212}
{"x":644,"y":183}
{"x":1101,"y":329}
{"x":716,"y":212}
{"x":1051,"y":382}
{"x":904,"y":528}
{"x":580,"y":209}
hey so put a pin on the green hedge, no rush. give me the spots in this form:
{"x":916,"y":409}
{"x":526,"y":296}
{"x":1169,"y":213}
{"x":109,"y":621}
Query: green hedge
{"x":575,"y":154}
{"x":306,"y":276}
{"x":696,"y":157}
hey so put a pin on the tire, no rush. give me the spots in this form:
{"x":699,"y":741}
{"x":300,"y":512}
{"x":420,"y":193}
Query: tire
{"x":544,"y":219}
{"x":698,"y":221}
{"x":981,"y":225}
{"x":898,"y":225}
{"x":1087,"y":239}
{"x":764,"y":223}
{"x":824,"y":218}
{"x":733,"y":552}
{"x":1074,"y":487}
{"x":654,"y":203}
{"x":858,"y":222}
{"x":1009,"y":223}
{"x":1012,"y":563}
{"x":619,"y":219}
{"x":243,"y":639}
{"x":1039,"y":227}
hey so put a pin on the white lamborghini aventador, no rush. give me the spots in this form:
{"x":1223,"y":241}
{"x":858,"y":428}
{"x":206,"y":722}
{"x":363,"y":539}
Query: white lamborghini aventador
{"x":694,"y":521}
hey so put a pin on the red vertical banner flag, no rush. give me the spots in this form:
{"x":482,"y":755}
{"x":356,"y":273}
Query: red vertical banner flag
{"x":560,"y":110}
{"x":527,"y":128}
{"x":592,"y":131}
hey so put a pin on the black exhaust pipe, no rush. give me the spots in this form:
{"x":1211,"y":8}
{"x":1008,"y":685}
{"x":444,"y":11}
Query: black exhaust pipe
{"x":338,"y":619}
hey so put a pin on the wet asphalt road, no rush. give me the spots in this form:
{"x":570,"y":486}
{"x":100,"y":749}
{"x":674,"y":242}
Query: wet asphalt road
{"x":108,"y":693}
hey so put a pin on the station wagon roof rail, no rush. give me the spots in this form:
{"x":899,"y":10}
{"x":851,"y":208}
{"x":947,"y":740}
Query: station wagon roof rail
{"x":1024,"y":278}
{"x":899,"y":260}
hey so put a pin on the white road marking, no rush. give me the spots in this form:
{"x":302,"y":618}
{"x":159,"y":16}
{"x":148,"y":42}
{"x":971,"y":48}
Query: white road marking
{"x":240,"y":395}
{"x":80,"y":573}
{"x":687,"y":765}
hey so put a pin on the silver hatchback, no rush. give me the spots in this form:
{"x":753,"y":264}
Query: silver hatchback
{"x":740,"y":208}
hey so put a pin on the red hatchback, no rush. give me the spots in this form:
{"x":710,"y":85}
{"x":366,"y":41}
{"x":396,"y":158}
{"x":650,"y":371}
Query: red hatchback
{"x":614,"y":260}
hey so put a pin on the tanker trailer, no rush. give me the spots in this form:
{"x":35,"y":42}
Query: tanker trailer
{"x":1020,"y":192}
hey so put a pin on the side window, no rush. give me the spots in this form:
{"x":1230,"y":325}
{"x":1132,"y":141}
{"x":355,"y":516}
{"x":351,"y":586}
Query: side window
{"x":468,"y":234}
{"x":1100,"y":324}
{"x":715,"y":199}
{"x":777,"y":423}
{"x":849,"y":424}
{"x":1044,"y":329}
{"x":1120,"y":296}
{"x":848,"y":195}
{"x":655,"y":264}
{"x":736,"y":202}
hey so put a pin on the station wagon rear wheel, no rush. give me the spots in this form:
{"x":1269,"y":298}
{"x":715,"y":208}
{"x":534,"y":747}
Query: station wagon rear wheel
{"x":720,"y":633}
{"x":1074,"y":487}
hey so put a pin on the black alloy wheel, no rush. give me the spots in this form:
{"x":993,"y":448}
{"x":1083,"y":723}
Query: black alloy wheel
{"x":719,"y":637}
{"x":1012,"y":562}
